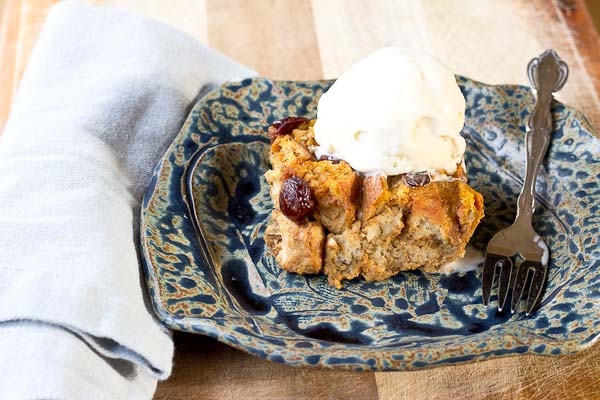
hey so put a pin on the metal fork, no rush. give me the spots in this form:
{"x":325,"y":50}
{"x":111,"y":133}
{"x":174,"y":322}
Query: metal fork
{"x":547,"y":74}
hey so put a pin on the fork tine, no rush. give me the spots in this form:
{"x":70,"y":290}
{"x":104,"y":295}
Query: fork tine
{"x":537,"y":286}
{"x":506,"y":267}
{"x":519,"y":286}
{"x":487,"y":278}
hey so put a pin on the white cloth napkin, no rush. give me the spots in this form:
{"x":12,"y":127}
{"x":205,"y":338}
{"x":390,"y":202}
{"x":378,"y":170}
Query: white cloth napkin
{"x":102,"y":97}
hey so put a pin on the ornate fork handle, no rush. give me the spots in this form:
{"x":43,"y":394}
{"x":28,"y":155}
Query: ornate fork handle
{"x":547,"y":74}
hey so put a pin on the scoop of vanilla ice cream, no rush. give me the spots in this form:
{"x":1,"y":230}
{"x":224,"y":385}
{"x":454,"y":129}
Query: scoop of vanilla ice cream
{"x":394,"y":112}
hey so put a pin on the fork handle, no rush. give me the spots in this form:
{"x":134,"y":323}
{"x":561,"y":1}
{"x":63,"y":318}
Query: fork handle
{"x":547,"y":74}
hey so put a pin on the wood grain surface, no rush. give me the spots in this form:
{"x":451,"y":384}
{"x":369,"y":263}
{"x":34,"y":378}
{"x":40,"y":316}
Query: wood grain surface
{"x":487,"y":40}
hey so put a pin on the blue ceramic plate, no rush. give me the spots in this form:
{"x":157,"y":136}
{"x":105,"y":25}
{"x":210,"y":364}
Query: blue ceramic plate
{"x":222,"y":283}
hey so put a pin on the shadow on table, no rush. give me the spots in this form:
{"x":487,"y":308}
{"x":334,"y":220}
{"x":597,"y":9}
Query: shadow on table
{"x":204,"y":368}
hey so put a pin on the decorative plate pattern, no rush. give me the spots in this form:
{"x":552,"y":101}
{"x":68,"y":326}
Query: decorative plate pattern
{"x":222,"y":282}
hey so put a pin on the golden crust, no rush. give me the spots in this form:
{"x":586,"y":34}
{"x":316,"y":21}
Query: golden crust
{"x":333,"y":185}
{"x":297,"y":247}
{"x":375,"y":195}
{"x":305,"y":135}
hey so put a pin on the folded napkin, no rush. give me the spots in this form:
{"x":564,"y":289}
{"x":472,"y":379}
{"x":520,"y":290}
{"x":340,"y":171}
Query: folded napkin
{"x":101,"y":99}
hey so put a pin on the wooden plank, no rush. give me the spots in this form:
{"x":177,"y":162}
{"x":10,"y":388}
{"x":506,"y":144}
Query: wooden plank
{"x":458,"y":32}
{"x":275,"y":37}
{"x":585,"y":37}
{"x":207,"y":369}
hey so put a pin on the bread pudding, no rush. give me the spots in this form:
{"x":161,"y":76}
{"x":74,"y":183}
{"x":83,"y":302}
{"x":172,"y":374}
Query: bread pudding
{"x":376,"y":184}
{"x":370,"y":226}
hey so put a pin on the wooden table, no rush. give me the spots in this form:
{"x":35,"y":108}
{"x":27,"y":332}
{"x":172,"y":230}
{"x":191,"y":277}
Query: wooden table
{"x":301,"y":39}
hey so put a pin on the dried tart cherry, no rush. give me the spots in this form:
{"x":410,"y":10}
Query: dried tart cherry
{"x":296,"y":200}
{"x":285,"y":126}
{"x":417,"y":179}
